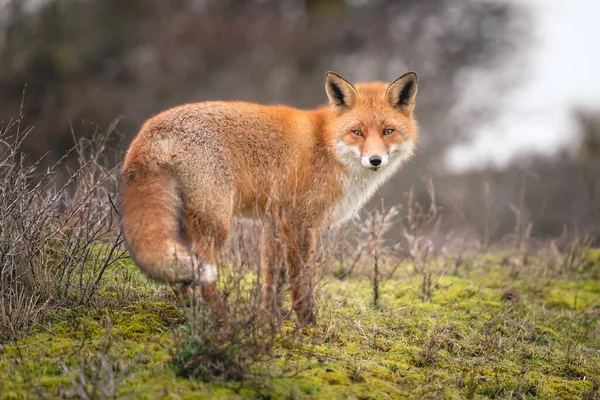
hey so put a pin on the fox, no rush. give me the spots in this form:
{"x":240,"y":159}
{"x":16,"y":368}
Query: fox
{"x":191,"y":169}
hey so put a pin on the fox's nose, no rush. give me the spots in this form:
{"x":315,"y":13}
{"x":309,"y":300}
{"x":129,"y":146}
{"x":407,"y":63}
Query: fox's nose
{"x":375,"y":161}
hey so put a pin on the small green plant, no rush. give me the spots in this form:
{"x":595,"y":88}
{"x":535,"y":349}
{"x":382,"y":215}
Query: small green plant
{"x":210,"y":349}
{"x":236,"y":346}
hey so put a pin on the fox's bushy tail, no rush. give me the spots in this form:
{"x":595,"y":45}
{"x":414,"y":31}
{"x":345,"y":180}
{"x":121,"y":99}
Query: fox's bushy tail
{"x":151,"y":219}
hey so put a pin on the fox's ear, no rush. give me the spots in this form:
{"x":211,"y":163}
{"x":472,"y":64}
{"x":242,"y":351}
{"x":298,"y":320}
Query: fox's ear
{"x":402,"y":92}
{"x":340,"y":92}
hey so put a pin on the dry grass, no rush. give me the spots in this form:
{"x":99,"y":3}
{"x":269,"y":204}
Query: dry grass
{"x":59,"y":230}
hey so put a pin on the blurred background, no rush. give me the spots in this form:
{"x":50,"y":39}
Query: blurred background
{"x":509,"y":93}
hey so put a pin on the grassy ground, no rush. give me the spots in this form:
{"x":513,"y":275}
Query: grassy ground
{"x":485,"y":329}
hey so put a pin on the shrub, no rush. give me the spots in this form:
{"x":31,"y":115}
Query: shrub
{"x":58,"y":233}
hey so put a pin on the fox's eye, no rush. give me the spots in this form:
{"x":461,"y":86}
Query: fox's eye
{"x":388,"y":132}
{"x":357,"y":133}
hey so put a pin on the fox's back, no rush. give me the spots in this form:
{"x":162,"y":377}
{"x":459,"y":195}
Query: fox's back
{"x":232,"y":125}
{"x":258,"y":150}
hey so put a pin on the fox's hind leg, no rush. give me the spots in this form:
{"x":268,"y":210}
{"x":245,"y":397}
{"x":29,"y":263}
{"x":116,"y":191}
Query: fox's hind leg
{"x":206,"y":226}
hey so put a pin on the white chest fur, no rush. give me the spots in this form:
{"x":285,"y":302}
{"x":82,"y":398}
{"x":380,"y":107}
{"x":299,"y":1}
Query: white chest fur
{"x":359,"y":185}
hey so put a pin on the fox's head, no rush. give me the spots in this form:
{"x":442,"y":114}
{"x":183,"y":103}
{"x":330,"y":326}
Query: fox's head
{"x":374,"y":125}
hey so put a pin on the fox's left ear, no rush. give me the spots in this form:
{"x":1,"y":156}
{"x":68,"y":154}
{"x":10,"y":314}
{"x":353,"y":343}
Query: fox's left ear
{"x":402,"y":92}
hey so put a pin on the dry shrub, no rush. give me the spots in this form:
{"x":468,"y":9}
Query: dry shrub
{"x":391,"y":235}
{"x":240,"y":346}
{"x":211,"y":350}
{"x":58,"y":231}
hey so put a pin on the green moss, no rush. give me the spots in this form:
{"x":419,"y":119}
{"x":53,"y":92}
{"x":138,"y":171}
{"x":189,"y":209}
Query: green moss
{"x":592,"y":256}
{"x":460,"y":340}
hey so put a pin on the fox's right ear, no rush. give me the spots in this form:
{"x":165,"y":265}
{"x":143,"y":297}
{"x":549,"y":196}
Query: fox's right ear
{"x":340,"y":92}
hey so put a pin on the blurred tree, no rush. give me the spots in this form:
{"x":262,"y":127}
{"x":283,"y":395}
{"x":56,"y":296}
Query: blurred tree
{"x":589,"y":127}
{"x":93,"y":60}
{"x":96,"y":60}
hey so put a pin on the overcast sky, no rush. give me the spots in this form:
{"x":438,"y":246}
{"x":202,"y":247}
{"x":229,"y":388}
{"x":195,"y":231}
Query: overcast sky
{"x":562,"y":72}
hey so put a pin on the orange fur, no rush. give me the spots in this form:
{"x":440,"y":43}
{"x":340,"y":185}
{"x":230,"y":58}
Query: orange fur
{"x":193,"y":167}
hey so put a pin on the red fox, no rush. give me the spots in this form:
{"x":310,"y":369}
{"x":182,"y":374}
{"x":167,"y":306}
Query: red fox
{"x":192,"y":168}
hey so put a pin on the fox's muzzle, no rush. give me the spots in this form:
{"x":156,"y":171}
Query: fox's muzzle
{"x":375,"y":161}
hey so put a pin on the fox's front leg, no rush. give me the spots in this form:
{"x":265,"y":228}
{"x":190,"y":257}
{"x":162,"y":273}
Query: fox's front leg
{"x":273,"y":267}
{"x":300,"y":246}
